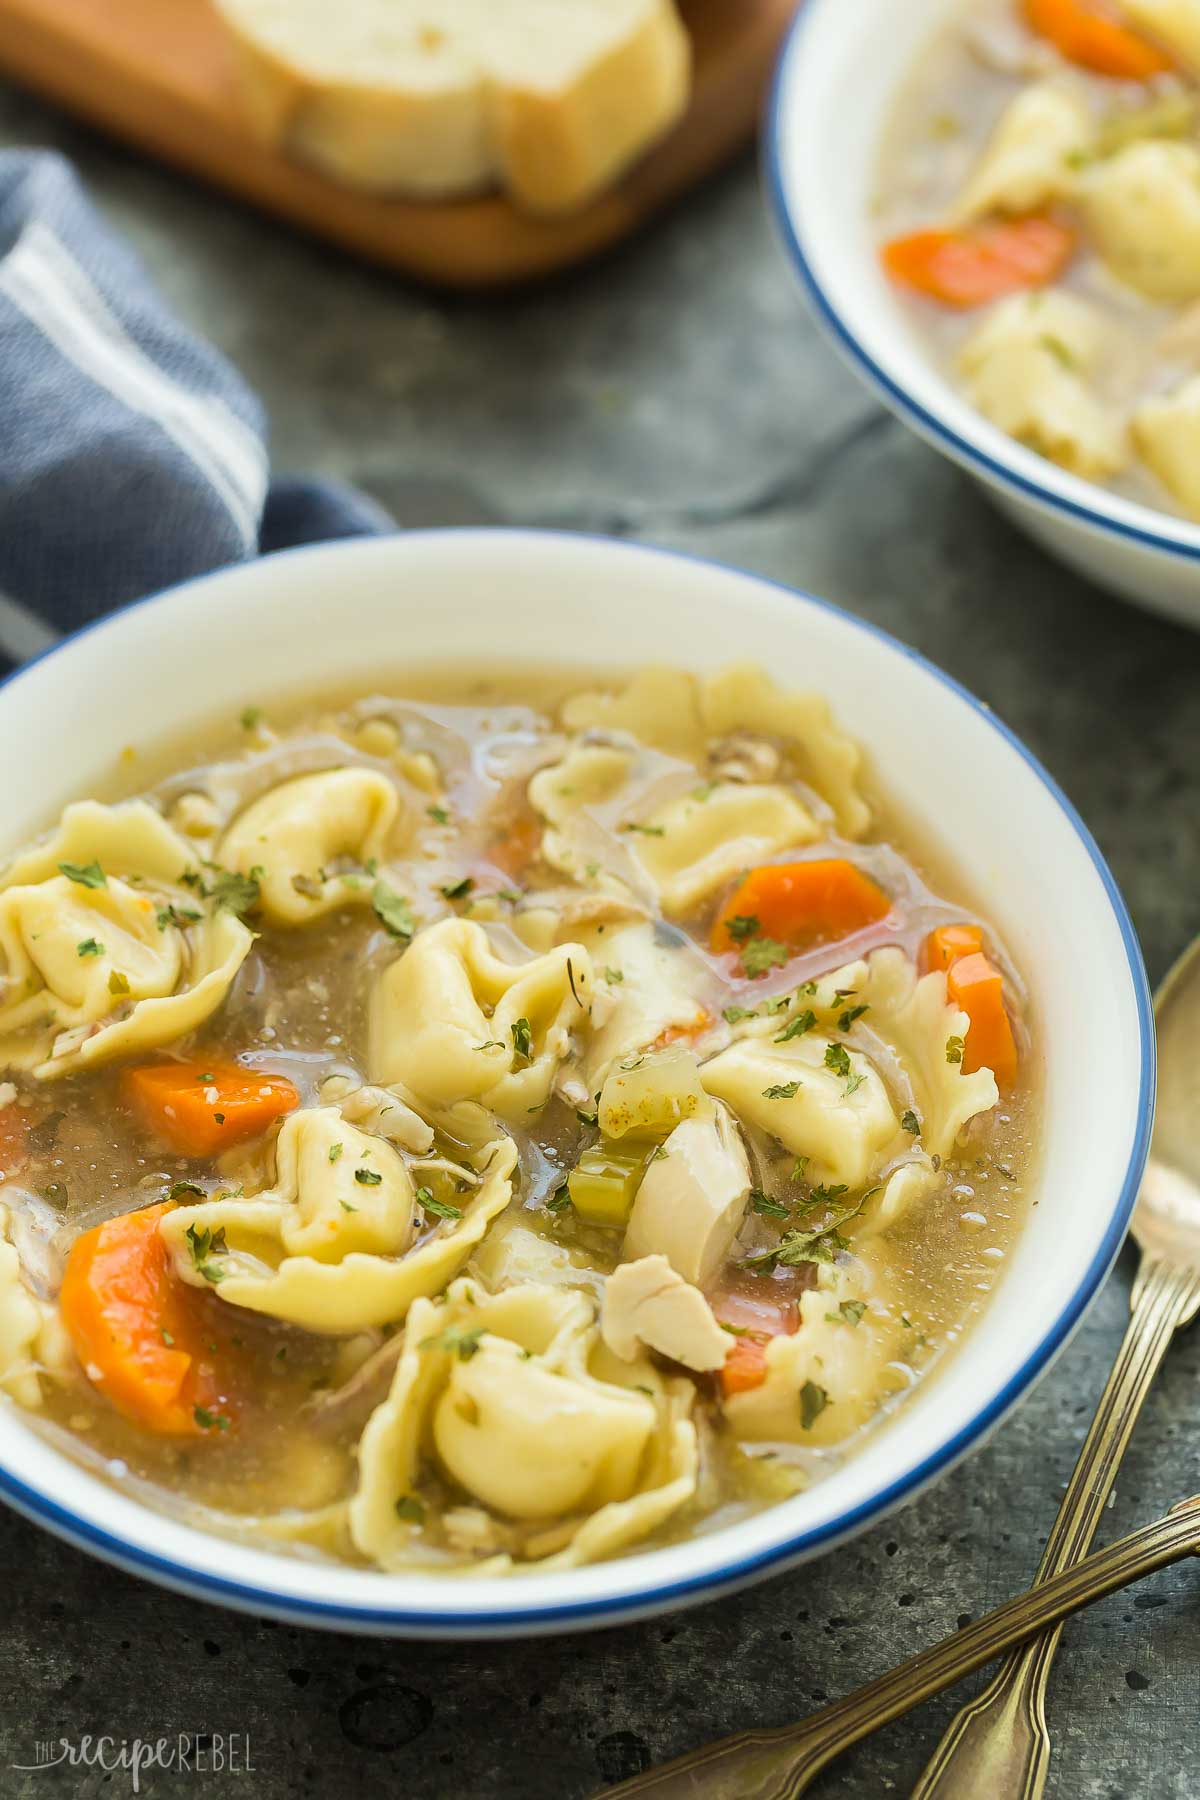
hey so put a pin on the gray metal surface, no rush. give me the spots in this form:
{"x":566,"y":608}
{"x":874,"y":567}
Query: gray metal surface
{"x":678,"y":393}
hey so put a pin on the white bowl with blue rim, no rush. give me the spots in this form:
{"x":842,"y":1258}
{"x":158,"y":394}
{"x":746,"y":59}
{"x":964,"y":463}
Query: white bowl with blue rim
{"x":833,"y":101}
{"x":346,"y":612}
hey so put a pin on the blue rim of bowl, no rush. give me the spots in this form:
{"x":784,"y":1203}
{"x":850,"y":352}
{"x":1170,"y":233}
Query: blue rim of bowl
{"x":895,"y":396}
{"x":654,"y":1597}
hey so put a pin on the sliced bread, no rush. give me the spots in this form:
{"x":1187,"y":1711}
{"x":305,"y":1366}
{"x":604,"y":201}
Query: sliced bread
{"x":550,"y":99}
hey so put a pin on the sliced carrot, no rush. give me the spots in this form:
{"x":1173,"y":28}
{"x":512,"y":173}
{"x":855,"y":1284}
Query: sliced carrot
{"x":134,"y":1327}
{"x":800,"y":904}
{"x":1089,"y":33}
{"x":745,"y":1367}
{"x":199,"y":1108}
{"x":975,"y":985}
{"x":969,"y":268}
{"x":947,"y":943}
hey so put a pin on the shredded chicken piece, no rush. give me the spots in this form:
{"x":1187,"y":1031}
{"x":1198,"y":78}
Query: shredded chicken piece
{"x":646,"y":1304}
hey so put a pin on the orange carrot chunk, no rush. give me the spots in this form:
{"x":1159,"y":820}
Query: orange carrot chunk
{"x":745,"y":1367}
{"x":682,"y":1033}
{"x":969,"y":268}
{"x":945,"y":945}
{"x":200,"y":1108}
{"x":134,"y":1329}
{"x":974,"y":984}
{"x":1090,"y":33}
{"x":799,"y":904}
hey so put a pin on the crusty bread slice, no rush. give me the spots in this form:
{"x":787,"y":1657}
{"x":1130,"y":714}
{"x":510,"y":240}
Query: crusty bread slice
{"x":552,"y":99}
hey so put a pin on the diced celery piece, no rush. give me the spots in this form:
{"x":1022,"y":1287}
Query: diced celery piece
{"x":604,"y":1183}
{"x":647,"y":1096}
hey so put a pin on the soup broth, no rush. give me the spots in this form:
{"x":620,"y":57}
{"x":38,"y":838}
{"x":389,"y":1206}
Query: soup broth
{"x":499,"y":1122}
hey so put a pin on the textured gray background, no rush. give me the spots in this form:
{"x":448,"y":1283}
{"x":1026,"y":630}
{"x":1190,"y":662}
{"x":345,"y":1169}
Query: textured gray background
{"x":678,"y":393}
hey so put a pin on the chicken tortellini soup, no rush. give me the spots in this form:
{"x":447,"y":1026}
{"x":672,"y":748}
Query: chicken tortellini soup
{"x":1039,"y":202}
{"x":499,"y":1127}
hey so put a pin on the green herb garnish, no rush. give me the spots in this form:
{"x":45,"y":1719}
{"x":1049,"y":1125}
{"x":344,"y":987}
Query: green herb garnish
{"x":118,"y":984}
{"x":911,"y":1123}
{"x":458,"y":890}
{"x":769,"y":1208}
{"x":335,"y":1151}
{"x":813,"y":1401}
{"x":522,"y":1037}
{"x":786,"y":1090}
{"x":954,"y":1050}
{"x":89,"y":947}
{"x":837,"y":1058}
{"x":409,"y":1508}
{"x":848,"y":1017}
{"x":761,"y":954}
{"x":462,"y":1344}
{"x":89,"y":875}
{"x":797,"y":1027}
{"x":393,"y":910}
{"x":367,"y":1177}
{"x":437,"y":1209}
{"x":237,"y":893}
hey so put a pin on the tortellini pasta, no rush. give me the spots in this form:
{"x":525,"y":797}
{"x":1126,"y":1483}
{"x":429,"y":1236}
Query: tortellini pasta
{"x":31,"y":1335}
{"x":106,"y":946}
{"x":515,"y":1400}
{"x":296,"y":834}
{"x":1032,"y":156}
{"x":1026,"y":369}
{"x":452,"y":1021}
{"x":1166,"y":430}
{"x":1176,"y":23}
{"x":824,"y":1380}
{"x":330,"y":1245}
{"x":1143,"y":213}
{"x":682,"y":849}
{"x":683,"y":714}
{"x":656,"y":989}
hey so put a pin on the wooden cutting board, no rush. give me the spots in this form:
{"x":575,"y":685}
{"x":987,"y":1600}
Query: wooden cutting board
{"x":156,"y":72}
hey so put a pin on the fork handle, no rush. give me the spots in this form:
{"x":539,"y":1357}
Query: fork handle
{"x":778,"y":1765}
{"x":999,"y":1743}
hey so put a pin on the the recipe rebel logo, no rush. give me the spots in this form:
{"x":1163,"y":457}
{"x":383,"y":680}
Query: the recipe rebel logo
{"x":208,"y":1753}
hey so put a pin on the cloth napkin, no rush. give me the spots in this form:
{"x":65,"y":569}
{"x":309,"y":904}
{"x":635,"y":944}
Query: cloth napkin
{"x":132,"y":455}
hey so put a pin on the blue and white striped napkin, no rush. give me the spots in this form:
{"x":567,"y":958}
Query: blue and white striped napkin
{"x":132,"y":455}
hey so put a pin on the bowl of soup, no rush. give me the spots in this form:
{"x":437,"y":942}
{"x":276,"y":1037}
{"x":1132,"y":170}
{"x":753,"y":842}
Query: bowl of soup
{"x":542,"y":1080}
{"x":999,"y":222}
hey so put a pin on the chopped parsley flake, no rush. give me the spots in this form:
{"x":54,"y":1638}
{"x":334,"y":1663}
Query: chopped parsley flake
{"x":837,"y":1058}
{"x":646,"y":830}
{"x":409,"y":1508}
{"x":742,"y":926}
{"x":798,"y":1026}
{"x":848,"y":1017}
{"x":346,"y":1206}
{"x":393,"y":910}
{"x":769,"y":1208}
{"x":117,"y":983}
{"x":237,"y":893}
{"x":559,"y":1200}
{"x":179,"y":916}
{"x":786,"y":1090}
{"x":367,"y":1177}
{"x":853,"y":1083}
{"x":437,"y":1209}
{"x":251,"y":717}
{"x":335,"y":1150}
{"x":762,"y":954}
{"x":733,"y":1015}
{"x":614,"y":977}
{"x":462,"y":1344}
{"x":954,"y":1050}
{"x":89,"y":947}
{"x":89,"y":875}
{"x":587,"y":1118}
{"x":911,"y":1123}
{"x":178,"y":1188}
{"x":458,"y":890}
{"x":852,"y":1310}
{"x":439,"y":814}
{"x":813,"y":1401}
{"x":522,"y":1037}
{"x":204,"y":1244}
{"x":799,"y":1168}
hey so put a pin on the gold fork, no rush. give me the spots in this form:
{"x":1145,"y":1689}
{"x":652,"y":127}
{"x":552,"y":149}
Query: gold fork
{"x":778,"y":1765}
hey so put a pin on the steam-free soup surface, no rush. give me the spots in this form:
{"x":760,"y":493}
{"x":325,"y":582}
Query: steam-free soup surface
{"x":498,"y":1123}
